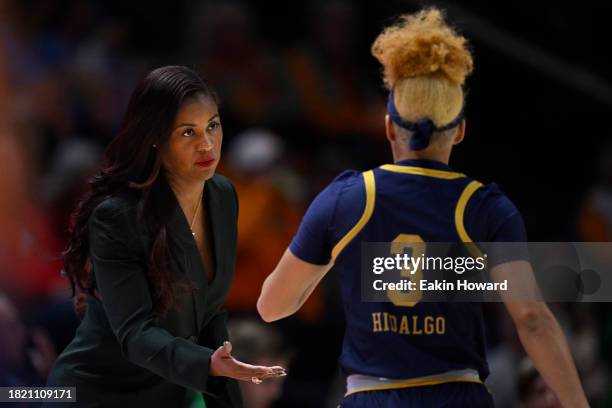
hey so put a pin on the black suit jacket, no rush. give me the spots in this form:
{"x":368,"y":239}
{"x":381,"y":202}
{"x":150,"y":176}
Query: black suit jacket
{"x":122,"y":354}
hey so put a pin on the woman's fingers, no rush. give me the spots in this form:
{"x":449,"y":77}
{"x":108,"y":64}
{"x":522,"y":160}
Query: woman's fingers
{"x":248,"y":371}
{"x":277,"y":368}
{"x":272,"y":372}
{"x":280,"y":371}
{"x":230,"y":367}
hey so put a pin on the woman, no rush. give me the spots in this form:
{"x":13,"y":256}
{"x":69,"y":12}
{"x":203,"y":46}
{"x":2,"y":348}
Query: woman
{"x":152,"y":252}
{"x":406,"y":353}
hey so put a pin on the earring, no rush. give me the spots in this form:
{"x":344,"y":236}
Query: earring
{"x":154,"y":146}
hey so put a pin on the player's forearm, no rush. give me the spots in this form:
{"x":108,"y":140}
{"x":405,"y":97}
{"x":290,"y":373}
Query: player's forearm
{"x":545,"y":344}
{"x":288,"y":287}
{"x":274,"y":302}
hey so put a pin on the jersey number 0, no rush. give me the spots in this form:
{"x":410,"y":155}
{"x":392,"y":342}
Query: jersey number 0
{"x":416,"y":245}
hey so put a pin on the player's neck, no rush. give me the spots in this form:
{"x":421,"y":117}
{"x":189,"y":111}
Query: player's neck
{"x":430,"y":153}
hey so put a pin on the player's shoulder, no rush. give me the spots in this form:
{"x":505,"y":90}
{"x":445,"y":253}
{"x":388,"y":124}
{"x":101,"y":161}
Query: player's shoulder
{"x":484,"y":189}
{"x":490,"y":198}
{"x":348,"y":185}
{"x":347,"y":178}
{"x":343,"y":181}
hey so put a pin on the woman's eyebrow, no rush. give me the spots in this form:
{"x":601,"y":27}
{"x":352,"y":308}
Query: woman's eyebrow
{"x":195,"y":125}
{"x":186,"y":124}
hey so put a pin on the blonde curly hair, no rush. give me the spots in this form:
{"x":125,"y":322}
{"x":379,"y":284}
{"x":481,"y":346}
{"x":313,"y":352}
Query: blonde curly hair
{"x":425,"y":64}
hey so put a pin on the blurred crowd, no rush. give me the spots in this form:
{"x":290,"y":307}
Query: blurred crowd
{"x":296,"y":110}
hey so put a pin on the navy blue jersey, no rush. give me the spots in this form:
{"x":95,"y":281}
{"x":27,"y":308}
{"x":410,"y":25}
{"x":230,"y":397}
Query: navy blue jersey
{"x":411,"y":201}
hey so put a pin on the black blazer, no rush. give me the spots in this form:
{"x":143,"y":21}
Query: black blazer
{"x":122,"y":354}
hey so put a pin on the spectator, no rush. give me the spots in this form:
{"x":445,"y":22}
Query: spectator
{"x":26,"y":356}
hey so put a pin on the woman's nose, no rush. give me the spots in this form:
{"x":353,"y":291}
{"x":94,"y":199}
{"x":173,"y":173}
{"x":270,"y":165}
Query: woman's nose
{"x":205,"y":145}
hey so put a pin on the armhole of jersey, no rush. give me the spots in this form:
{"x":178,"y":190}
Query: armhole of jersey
{"x":370,"y":190}
{"x":467,"y":193}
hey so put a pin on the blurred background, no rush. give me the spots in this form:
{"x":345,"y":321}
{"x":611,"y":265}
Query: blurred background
{"x":302,"y":100}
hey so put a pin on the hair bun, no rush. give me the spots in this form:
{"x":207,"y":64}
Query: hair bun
{"x":422,"y":44}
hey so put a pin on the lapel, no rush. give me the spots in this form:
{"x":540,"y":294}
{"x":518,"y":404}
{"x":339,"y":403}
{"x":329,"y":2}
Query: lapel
{"x":214,"y":212}
{"x":186,"y":252}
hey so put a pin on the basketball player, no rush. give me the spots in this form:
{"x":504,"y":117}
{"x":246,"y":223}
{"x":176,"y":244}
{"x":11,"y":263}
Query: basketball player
{"x":403,"y":353}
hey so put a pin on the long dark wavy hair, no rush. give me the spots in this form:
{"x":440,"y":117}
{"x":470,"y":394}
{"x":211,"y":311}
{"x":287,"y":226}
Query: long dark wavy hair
{"x":132,"y":161}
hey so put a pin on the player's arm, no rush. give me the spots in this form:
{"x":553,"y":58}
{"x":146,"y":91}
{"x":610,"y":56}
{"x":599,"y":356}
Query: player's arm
{"x":540,"y":332}
{"x":537,"y":327}
{"x":307,"y":259}
{"x":287,"y":288}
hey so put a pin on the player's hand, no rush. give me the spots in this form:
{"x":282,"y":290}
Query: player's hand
{"x":223,"y":364}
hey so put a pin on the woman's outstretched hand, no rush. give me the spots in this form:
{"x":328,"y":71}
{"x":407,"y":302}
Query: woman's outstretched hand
{"x":223,"y":364}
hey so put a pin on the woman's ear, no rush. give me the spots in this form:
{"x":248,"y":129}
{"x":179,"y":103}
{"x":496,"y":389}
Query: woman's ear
{"x":389,"y":130}
{"x":460,"y":133}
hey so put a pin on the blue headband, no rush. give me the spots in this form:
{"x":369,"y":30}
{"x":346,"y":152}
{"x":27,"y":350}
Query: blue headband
{"x":423,"y":129}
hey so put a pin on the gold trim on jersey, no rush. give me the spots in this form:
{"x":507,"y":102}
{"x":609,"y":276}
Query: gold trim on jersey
{"x":420,"y":171}
{"x":370,"y":189}
{"x":467,"y":193}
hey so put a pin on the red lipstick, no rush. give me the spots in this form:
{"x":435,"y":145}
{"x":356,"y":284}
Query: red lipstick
{"x":207,"y":162}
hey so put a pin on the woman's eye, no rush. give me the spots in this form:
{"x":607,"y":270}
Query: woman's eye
{"x":188,"y":132}
{"x":213,"y":125}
